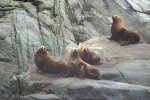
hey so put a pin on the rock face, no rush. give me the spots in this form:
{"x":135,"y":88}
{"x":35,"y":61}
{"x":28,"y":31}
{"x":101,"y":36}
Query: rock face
{"x":62,"y":24}
{"x":131,"y":61}
{"x":124,"y":75}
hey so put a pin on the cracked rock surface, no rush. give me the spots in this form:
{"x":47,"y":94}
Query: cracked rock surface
{"x":124,"y":75}
{"x":62,"y":24}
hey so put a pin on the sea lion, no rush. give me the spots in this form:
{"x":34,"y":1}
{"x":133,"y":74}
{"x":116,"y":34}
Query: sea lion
{"x":121,"y":34}
{"x":45,"y":63}
{"x":80,"y":68}
{"x":88,"y":55}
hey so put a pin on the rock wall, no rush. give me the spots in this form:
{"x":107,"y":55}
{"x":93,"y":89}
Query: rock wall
{"x":58,"y":25}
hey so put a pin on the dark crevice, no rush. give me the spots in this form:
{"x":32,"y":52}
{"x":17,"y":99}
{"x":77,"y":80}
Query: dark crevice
{"x":25,"y":0}
{"x":130,"y":7}
{"x":123,"y":76}
{"x":5,"y":60}
{"x":7,"y":9}
{"x":70,"y":13}
{"x":48,"y":27}
{"x":54,"y":9}
{"x":138,"y":10}
{"x":106,"y":5}
{"x":39,"y":25}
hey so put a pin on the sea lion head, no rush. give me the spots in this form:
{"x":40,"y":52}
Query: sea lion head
{"x":74,"y":54}
{"x":42,"y":51}
{"x":90,"y":56}
{"x":116,"y":18}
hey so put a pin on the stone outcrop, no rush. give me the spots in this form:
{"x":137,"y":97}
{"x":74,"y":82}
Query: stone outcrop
{"x":62,"y":24}
{"x":124,"y":75}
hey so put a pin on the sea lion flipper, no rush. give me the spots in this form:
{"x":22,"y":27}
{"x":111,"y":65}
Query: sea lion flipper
{"x":124,"y":43}
{"x":110,"y":38}
{"x":82,"y":72}
{"x":66,"y":74}
{"x":93,"y":76}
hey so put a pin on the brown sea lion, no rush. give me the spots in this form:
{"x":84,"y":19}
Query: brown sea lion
{"x":45,"y":63}
{"x":80,"y":68}
{"x":121,"y":34}
{"x":88,"y":55}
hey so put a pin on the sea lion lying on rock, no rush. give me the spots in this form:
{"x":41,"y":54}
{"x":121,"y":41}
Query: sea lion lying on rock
{"x":80,"y":68}
{"x":45,"y":63}
{"x":88,"y":55}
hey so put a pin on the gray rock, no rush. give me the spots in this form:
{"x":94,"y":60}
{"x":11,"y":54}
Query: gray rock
{"x":136,"y":71}
{"x":61,"y":26}
{"x":132,"y":61}
{"x":44,"y":97}
{"x":79,"y":89}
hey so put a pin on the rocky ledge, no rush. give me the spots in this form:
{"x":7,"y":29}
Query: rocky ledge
{"x":124,"y":76}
